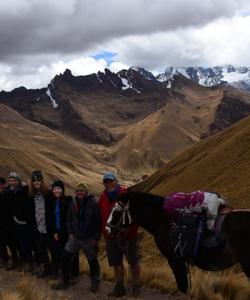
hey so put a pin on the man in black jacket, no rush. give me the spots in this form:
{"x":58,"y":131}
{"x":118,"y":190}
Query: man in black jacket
{"x":18,"y":193}
{"x":7,"y":230}
{"x":84,"y":233}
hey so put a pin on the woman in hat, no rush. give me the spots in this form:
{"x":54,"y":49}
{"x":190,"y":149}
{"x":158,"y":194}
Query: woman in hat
{"x":40,"y":206}
{"x":58,"y":229}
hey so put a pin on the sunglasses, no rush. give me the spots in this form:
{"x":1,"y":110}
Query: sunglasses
{"x":36,"y":180}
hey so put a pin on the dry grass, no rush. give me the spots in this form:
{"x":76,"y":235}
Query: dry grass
{"x":9,"y":296}
{"x":220,"y":163}
{"x":29,"y":288}
{"x":231,"y":284}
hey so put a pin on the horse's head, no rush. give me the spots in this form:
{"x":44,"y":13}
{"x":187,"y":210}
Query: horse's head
{"x":120,"y":216}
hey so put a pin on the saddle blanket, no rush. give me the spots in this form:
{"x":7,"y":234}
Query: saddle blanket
{"x":179,"y":203}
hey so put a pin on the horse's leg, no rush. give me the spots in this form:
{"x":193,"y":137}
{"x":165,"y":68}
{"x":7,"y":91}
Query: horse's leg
{"x":237,"y":230}
{"x":180,"y":272}
{"x":241,"y":250}
{"x":178,"y":267}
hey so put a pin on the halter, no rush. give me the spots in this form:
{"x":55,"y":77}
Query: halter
{"x":124,"y":208}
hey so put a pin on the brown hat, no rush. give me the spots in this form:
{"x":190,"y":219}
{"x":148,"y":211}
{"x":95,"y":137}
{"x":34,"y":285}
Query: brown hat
{"x":81,"y":187}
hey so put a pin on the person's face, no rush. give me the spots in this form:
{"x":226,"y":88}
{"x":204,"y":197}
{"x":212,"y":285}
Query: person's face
{"x":13,"y":182}
{"x":109,"y":185}
{"x":80,"y":194}
{"x":57,"y":191}
{"x":36,"y":183}
{"x":2,"y":187}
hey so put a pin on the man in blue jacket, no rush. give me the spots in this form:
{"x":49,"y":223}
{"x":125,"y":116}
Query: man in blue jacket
{"x":84,"y":233}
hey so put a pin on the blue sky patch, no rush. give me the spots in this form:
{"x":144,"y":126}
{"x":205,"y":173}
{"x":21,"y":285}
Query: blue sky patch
{"x":106,"y":55}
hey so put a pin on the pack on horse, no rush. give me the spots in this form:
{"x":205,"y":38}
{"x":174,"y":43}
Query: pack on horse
{"x":232,"y":242}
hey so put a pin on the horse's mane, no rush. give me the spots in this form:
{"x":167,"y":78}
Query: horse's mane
{"x":154,"y":200}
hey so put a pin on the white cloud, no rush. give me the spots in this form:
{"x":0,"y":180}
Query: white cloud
{"x":41,"y":75}
{"x":221,"y":42}
{"x":40,"y":39}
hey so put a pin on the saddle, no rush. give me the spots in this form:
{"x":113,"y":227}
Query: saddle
{"x":189,"y":232}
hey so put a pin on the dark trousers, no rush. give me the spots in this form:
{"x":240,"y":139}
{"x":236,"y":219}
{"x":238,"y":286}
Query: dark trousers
{"x":3,"y":250}
{"x":8,"y":239}
{"x":68,"y":263}
{"x":24,"y":236}
{"x":56,"y":249}
{"x":40,"y":248}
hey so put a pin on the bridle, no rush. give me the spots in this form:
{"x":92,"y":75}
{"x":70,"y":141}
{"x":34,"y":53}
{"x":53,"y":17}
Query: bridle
{"x":120,"y":207}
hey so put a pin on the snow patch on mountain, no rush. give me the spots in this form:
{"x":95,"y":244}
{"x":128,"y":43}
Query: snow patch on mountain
{"x":209,"y":76}
{"x":53,"y":101}
{"x":126,"y":85}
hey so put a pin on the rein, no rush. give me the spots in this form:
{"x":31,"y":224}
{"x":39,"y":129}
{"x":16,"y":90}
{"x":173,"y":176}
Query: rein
{"x":124,"y":208}
{"x":122,"y":219}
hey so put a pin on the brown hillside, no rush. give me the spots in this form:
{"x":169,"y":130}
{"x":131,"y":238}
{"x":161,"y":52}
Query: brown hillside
{"x":220,"y":163}
{"x":25,"y":146}
{"x":138,"y":129}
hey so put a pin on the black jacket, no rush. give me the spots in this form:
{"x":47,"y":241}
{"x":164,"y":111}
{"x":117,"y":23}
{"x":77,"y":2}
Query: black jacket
{"x":48,"y":212}
{"x":91,"y":226}
{"x":65,"y":202}
{"x":20,"y":203}
{"x":6,"y":211}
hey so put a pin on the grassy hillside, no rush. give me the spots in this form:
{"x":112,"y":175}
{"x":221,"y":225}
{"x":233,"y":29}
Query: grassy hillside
{"x":26,"y":146}
{"x":220,"y":163}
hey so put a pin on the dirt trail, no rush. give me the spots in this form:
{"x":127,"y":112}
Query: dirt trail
{"x":10,"y":282}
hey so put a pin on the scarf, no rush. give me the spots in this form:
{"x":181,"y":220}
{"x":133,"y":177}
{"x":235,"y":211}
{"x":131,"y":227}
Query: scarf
{"x":114,"y":194}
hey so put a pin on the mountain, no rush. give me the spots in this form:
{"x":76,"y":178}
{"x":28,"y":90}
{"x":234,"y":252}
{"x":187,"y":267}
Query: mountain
{"x":130,"y":120}
{"x":229,"y":74}
{"x":25,"y":146}
{"x":219,"y":163}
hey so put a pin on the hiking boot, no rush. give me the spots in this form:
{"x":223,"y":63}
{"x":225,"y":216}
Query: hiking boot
{"x":53,"y":276}
{"x":73,"y":280}
{"x":3,"y":263}
{"x":118,"y":291}
{"x":27,"y":268}
{"x":135,"y":292}
{"x":43,"y":272}
{"x":59,"y":285}
{"x":36,"y":269}
{"x":11,"y":265}
{"x":94,"y":287}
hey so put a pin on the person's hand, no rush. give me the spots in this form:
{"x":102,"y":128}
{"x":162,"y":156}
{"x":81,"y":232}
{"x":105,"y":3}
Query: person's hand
{"x":23,"y":183}
{"x":71,"y":236}
{"x":56,"y":237}
{"x":94,"y":243}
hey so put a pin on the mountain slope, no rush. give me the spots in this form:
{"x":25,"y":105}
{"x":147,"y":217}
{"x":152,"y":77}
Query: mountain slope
{"x":25,"y":146}
{"x":219,"y":163}
{"x":129,"y":119}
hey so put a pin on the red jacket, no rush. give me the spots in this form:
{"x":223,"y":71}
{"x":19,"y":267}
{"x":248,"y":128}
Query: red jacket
{"x":106,"y":206}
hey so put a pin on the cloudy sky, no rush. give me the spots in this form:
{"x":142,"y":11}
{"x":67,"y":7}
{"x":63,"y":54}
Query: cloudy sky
{"x":39,"y":39}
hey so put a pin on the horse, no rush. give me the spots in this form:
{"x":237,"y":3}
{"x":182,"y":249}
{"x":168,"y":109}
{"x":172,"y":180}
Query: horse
{"x":146,"y":210}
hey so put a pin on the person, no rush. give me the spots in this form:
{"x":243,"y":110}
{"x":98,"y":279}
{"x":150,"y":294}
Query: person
{"x":40,"y":206}
{"x":58,"y":234}
{"x":115,"y":253}
{"x":19,"y":197}
{"x":84,"y":233}
{"x":7,"y":230}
